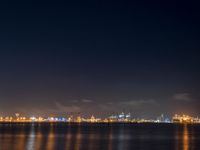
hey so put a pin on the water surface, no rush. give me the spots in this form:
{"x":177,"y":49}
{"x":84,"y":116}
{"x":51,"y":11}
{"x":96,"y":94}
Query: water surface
{"x":62,"y":136}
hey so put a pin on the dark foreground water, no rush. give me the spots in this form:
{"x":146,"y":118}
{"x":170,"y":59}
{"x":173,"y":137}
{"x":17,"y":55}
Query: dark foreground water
{"x":99,"y":137}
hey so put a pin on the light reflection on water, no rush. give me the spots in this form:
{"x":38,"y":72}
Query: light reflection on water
{"x":31,"y":138}
{"x":51,"y":138}
{"x":99,"y":137}
{"x":185,"y":138}
{"x":68,"y":138}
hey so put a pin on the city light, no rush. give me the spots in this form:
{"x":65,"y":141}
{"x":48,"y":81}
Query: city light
{"x":116,"y":118}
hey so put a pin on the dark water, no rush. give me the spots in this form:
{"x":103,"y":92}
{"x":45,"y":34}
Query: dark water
{"x":99,"y":137}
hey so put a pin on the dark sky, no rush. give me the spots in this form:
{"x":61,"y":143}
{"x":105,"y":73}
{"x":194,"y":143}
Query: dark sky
{"x":100,"y":57}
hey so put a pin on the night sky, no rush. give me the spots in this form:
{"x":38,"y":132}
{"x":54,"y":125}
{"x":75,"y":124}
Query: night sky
{"x":100,"y":57}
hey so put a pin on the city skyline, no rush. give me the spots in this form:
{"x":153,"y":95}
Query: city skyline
{"x":72,"y":117}
{"x":112,"y":118}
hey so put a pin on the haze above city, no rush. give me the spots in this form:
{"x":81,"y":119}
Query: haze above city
{"x":99,"y":58}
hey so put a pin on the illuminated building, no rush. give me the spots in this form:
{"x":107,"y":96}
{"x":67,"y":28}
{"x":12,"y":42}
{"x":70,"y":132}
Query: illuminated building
{"x":92,"y":119}
{"x":78,"y":119}
{"x":120,"y":118}
{"x":184,"y":119}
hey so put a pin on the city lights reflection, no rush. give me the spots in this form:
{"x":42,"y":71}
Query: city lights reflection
{"x":78,"y":139}
{"x":185,"y":138}
{"x":31,"y":139}
{"x":51,"y":139}
{"x":68,"y":138}
{"x":89,"y":137}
